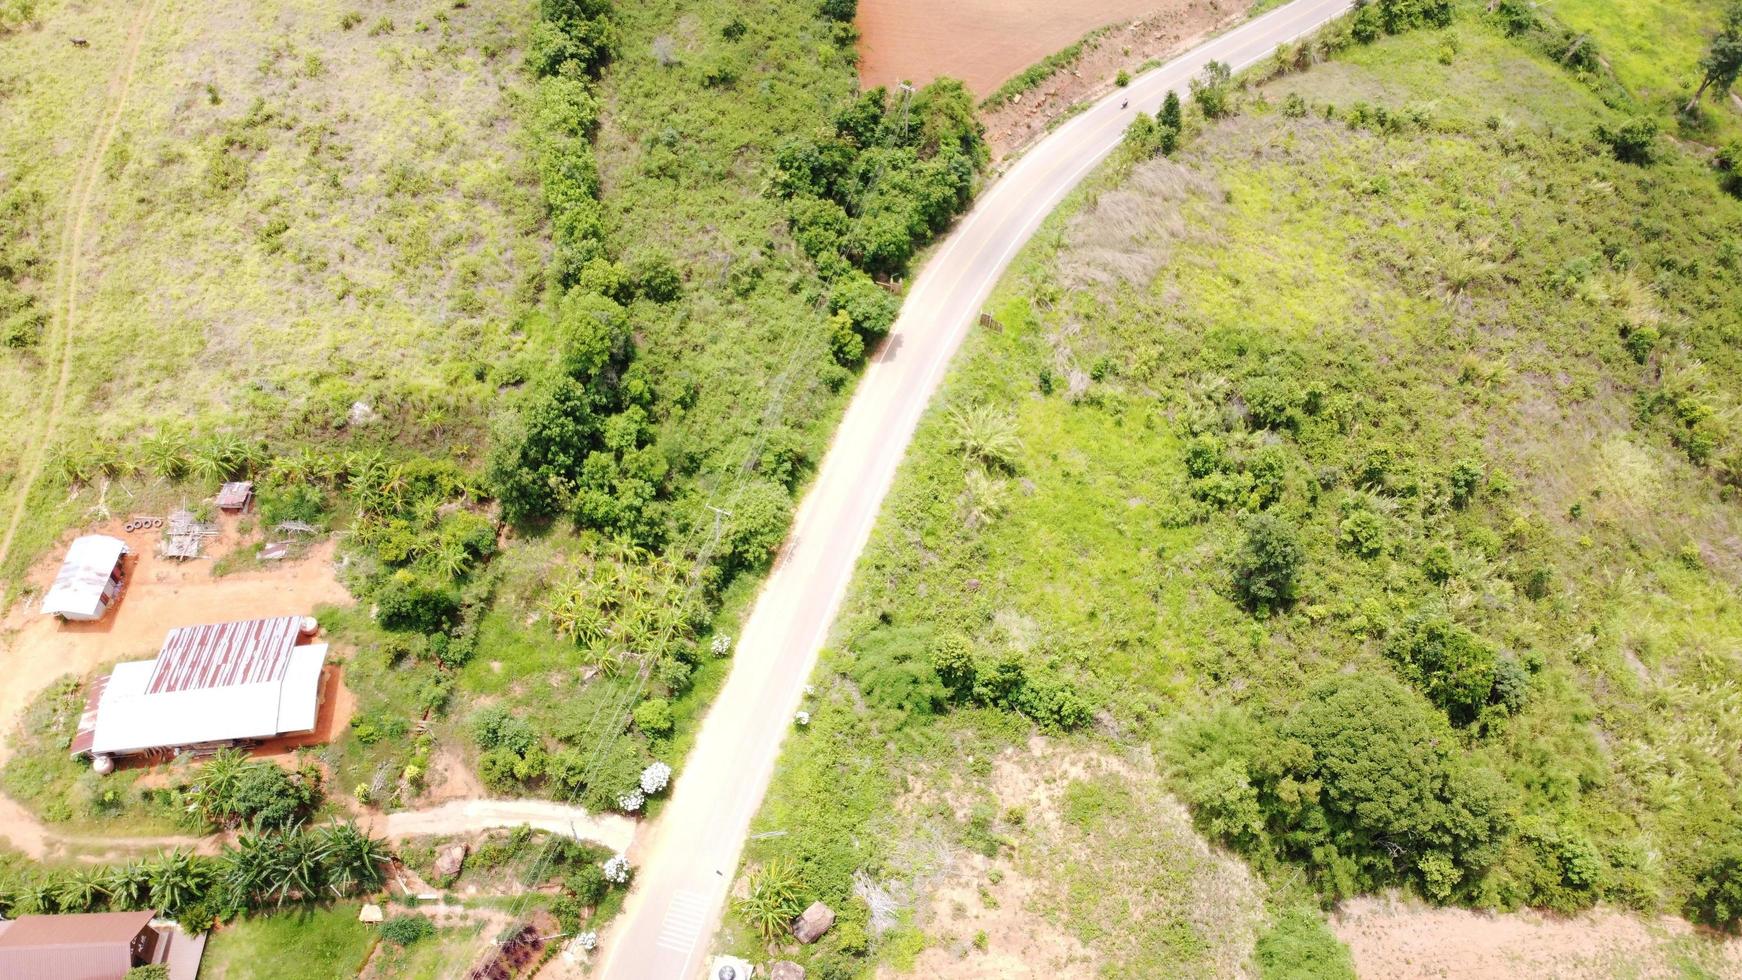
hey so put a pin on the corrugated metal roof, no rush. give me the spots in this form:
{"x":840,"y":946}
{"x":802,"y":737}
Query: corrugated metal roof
{"x":78,"y":588}
{"x":233,"y":496}
{"x":132,"y":719}
{"x":250,"y":651}
{"x":99,"y":946}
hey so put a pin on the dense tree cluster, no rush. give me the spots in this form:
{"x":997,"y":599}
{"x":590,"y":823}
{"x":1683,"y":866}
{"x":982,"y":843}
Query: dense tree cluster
{"x":889,"y":175}
{"x":1362,"y":782}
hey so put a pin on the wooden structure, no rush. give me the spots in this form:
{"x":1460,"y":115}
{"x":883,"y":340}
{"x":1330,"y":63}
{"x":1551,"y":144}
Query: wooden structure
{"x":185,"y":536}
{"x":235,"y":497}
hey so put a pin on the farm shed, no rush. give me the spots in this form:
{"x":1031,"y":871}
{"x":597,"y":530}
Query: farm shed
{"x":98,"y":946}
{"x":210,"y":686}
{"x":89,"y":580}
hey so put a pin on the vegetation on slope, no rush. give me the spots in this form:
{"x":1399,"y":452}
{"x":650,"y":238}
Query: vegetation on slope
{"x":1374,"y":462}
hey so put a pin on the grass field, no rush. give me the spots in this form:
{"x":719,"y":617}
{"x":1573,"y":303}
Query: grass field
{"x":1405,"y":303}
{"x":300,"y":945}
{"x":302,"y":206}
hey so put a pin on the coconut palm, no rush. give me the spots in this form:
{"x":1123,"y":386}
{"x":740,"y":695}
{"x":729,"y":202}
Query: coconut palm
{"x":249,"y":868}
{"x":983,"y":500}
{"x":38,"y":896}
{"x":774,"y":899}
{"x":210,"y":460}
{"x":214,"y":791}
{"x":299,"y":868}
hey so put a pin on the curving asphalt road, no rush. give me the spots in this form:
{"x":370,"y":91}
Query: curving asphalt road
{"x":692,"y":854}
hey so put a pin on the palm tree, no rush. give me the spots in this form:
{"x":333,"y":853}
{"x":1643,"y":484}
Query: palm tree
{"x":83,"y":890}
{"x":299,"y":868}
{"x":209,"y":461}
{"x":215,"y":791}
{"x":38,"y":896}
{"x":774,"y":900}
{"x":984,"y":433}
{"x":249,"y":868}
{"x":983,"y":500}
{"x":353,"y":859}
{"x":128,"y":885}
{"x":177,"y":879}
{"x":165,"y":454}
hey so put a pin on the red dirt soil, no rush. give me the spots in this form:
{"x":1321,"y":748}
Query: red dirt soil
{"x":982,"y":42}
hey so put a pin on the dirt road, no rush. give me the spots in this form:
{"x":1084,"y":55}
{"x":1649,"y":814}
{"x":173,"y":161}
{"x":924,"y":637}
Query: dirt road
{"x":28,"y":834}
{"x":468,"y":816}
{"x":693,"y":852}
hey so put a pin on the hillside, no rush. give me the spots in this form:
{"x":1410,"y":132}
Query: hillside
{"x":1365,"y":477}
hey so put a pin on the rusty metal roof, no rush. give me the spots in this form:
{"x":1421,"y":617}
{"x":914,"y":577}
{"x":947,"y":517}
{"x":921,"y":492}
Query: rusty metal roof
{"x":224,"y":654}
{"x":233,"y":496}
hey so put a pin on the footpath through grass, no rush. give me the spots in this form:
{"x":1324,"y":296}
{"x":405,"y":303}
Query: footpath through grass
{"x":1372,"y":466}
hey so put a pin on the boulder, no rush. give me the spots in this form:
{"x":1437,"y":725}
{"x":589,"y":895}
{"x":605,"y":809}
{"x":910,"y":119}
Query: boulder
{"x":449,"y":861}
{"x":815,"y":921}
{"x":785,"y":970}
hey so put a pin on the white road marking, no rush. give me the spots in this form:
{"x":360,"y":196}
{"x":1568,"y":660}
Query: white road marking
{"x":682,"y":924}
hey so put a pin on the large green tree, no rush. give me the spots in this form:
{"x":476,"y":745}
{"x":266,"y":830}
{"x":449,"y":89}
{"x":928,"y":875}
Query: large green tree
{"x":1722,"y":62}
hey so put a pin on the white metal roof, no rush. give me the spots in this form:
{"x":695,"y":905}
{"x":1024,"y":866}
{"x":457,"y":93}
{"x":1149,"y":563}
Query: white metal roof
{"x":78,"y":589}
{"x":129,"y":719}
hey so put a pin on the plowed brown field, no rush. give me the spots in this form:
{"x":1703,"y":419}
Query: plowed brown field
{"x":982,"y":42}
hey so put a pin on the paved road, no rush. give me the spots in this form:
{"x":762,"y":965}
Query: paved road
{"x":690,"y":858}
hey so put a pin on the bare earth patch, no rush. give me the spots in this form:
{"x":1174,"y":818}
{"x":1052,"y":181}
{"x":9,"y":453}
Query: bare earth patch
{"x":1394,"y":939}
{"x":1102,"y":872}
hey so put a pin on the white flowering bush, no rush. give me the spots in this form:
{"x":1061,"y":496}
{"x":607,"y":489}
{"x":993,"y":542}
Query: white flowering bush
{"x":655,"y":778}
{"x":588,"y":941}
{"x":722,"y":645}
{"x":803,"y":718}
{"x":631,"y":801}
{"x":617,"y":870}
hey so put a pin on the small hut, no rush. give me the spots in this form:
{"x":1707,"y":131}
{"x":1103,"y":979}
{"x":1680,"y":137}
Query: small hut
{"x":89,"y":580}
{"x":234,"y":497}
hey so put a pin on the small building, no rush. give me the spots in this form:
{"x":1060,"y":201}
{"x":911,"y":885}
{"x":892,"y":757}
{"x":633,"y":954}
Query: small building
{"x":210,"y":687}
{"x":89,"y":580}
{"x":235,"y":496}
{"x":99,"y":946}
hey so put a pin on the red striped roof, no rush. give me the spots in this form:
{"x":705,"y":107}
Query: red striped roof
{"x":224,"y":654}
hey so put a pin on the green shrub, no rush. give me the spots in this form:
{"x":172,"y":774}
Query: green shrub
{"x":1633,"y":141}
{"x":298,"y":502}
{"x":1716,"y":896}
{"x":409,"y":605}
{"x":1299,"y":946}
{"x":653,"y":717}
{"x":407,"y":930}
{"x":1267,"y":563}
{"x":1446,"y":662}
